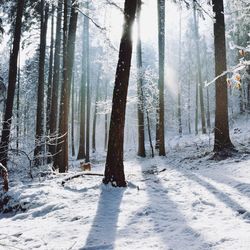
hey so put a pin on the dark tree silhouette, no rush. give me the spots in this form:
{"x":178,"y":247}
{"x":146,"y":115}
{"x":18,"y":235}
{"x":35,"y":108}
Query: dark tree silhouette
{"x":11,"y":85}
{"x":39,"y":147}
{"x":222,"y":141}
{"x":161,"y":51}
{"x":69,"y":35}
{"x":55,"y":82}
{"x":114,"y":168}
{"x":140,"y":109}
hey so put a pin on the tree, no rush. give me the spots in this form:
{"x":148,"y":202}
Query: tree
{"x":179,"y":81}
{"x":55,"y":82}
{"x":39,"y":147}
{"x":222,"y":141}
{"x":200,"y":85}
{"x":72,"y":116}
{"x":50,"y":76}
{"x":114,"y":168}
{"x":4,"y":146}
{"x":81,"y":150}
{"x":69,"y":35}
{"x":87,"y":90}
{"x":95,"y":113}
{"x":140,"y":104}
{"x":161,"y":51}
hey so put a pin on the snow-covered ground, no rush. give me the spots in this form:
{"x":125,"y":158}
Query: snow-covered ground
{"x":182,"y":201}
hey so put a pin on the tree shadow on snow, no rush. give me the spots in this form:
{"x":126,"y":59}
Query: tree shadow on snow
{"x":220,"y":195}
{"x":102,"y":234}
{"x":166,"y":219}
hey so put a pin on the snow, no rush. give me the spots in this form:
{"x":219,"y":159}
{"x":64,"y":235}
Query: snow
{"x":182,"y":201}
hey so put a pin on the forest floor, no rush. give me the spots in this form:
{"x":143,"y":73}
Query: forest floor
{"x":182,"y":201}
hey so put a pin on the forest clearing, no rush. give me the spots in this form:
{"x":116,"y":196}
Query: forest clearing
{"x":124,"y":124}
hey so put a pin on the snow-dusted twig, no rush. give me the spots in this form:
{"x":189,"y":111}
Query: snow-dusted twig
{"x":236,"y":68}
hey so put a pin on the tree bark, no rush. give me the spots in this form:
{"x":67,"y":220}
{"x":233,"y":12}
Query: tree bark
{"x":18,"y":102}
{"x":87,"y":158}
{"x":114,"y":168}
{"x":11,"y":85}
{"x":69,"y":35}
{"x":222,"y":141}
{"x":55,"y":83}
{"x":179,"y":81}
{"x":95,"y":113}
{"x":81,"y":150}
{"x":39,"y":143}
{"x":106,"y":118}
{"x":50,"y":77}
{"x":72,"y":117}
{"x":200,"y":84}
{"x":161,"y":51}
{"x":140,"y":103}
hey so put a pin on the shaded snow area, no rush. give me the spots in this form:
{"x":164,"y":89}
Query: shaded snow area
{"x":182,"y":201}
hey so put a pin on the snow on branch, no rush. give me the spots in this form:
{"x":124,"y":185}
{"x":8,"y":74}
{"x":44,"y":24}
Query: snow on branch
{"x":238,"y":67}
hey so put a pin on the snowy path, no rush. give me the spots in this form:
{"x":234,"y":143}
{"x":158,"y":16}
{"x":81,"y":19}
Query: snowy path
{"x":175,"y":209}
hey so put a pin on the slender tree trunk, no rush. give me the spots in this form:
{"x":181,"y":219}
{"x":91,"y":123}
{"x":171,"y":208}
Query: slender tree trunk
{"x":179,"y":81}
{"x":95,"y":113}
{"x":222,"y":141}
{"x":200,"y":84}
{"x":248,"y":88}
{"x":114,"y":168}
{"x":189,"y":92}
{"x":11,"y":85}
{"x":18,"y":103}
{"x":161,"y":51}
{"x":81,"y":151}
{"x":39,"y":147}
{"x":140,"y":105}
{"x":72,"y":116}
{"x":49,"y":88}
{"x":87,"y":159}
{"x":55,"y":83}
{"x":189,"y":107}
{"x":196,"y":105}
{"x":106,"y":119}
{"x":207,"y":91}
{"x":149,"y":135}
{"x":69,"y":35}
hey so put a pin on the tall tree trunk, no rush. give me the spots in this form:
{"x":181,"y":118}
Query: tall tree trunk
{"x":149,"y":135}
{"x":179,"y":81}
{"x":11,"y":85}
{"x":50,"y":77}
{"x":72,"y":116}
{"x":222,"y":141}
{"x":55,"y":83}
{"x":140,"y":105}
{"x":196,"y":105}
{"x":18,"y":102}
{"x":39,"y":147}
{"x":114,"y":168}
{"x":81,"y":150}
{"x":106,"y":119}
{"x":69,"y":36}
{"x":189,"y":107}
{"x":207,"y":90}
{"x":95,"y":113}
{"x":200,"y":84}
{"x":161,"y":51}
{"x":248,"y":88}
{"x":87,"y":158}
